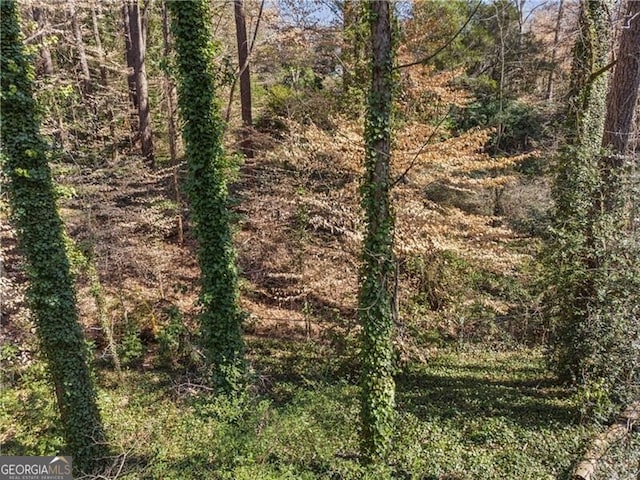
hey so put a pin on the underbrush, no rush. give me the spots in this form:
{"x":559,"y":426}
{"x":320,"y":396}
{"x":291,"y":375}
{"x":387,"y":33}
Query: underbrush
{"x":466,"y":413}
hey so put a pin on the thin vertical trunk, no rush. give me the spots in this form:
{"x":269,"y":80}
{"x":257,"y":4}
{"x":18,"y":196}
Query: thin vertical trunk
{"x":79,"y":43}
{"x":245,"y":80}
{"x":96,"y":35}
{"x":376,"y":288}
{"x":554,"y":51}
{"x":46,"y":62}
{"x":169,"y":88}
{"x":110,"y":142}
{"x":500,"y":19}
{"x":137,"y":26}
{"x":131,"y":77}
{"x":235,"y":79}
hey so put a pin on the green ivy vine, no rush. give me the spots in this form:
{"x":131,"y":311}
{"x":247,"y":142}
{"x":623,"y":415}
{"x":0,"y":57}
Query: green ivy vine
{"x":591,"y":281}
{"x":40,"y":235}
{"x":207,"y":191}
{"x":376,"y":276}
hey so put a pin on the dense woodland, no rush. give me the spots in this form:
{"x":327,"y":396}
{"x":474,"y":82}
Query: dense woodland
{"x":332,"y":239}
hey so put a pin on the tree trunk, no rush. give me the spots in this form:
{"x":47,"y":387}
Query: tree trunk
{"x":131,"y":77}
{"x":96,"y":35}
{"x":169,"y":88}
{"x":137,"y":26}
{"x":623,"y":96}
{"x":587,"y":103}
{"x":571,"y":251}
{"x":623,"y":426}
{"x":621,"y":107}
{"x":41,"y":237}
{"x":245,"y":80}
{"x":376,"y":279}
{"x":554,"y":51}
{"x":203,"y":130}
{"x":46,"y":64}
{"x":79,"y":42}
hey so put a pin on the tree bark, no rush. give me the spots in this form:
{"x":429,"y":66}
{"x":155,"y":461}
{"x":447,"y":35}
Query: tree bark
{"x":588,"y":89}
{"x":602,"y":443}
{"x":376,"y":284}
{"x":571,"y":253}
{"x":245,"y":79}
{"x":137,"y":28}
{"x":46,"y":64}
{"x":131,"y":77}
{"x":96,"y":35}
{"x":623,"y":96}
{"x":621,"y":108}
{"x":79,"y":43}
{"x":169,"y":88}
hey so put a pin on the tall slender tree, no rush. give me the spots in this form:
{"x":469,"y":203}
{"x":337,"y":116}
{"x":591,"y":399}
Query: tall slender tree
{"x":129,"y":54}
{"x":79,"y":44}
{"x":169,"y":88}
{"x":207,"y":191}
{"x":376,"y":282}
{"x":95,"y":15}
{"x":243,"y":62}
{"x":138,"y":38}
{"x":40,"y":17}
{"x":41,"y":238}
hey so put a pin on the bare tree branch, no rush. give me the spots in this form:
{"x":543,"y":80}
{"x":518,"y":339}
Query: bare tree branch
{"x":403,"y":175}
{"x":424,"y":60}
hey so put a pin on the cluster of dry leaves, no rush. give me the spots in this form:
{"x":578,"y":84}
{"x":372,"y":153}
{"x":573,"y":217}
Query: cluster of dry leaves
{"x":300,"y":224}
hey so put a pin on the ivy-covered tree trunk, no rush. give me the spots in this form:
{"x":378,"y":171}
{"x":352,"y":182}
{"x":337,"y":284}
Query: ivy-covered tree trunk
{"x":41,"y":238}
{"x":577,"y":343}
{"x":614,"y":359}
{"x":207,"y":190}
{"x":376,"y":282}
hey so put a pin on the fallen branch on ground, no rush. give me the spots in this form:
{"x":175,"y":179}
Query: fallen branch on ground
{"x":601,"y":444}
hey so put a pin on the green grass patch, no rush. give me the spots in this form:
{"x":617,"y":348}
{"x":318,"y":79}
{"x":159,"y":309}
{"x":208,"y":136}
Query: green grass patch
{"x":464,"y":415}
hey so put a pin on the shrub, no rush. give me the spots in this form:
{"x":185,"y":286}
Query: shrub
{"x":518,"y":125}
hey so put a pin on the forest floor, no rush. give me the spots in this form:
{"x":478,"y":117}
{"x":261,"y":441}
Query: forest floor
{"x":475,"y":399}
